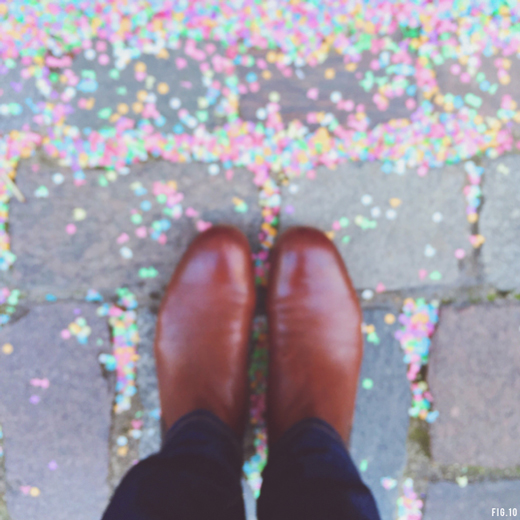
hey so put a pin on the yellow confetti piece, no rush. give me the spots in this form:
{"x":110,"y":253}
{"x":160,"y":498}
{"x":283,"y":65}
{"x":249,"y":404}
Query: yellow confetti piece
{"x":163,"y":54}
{"x":137,"y":107}
{"x":351,"y":67}
{"x":122,"y":108}
{"x":394,"y":202}
{"x":111,"y":175}
{"x":330,"y":74}
{"x":142,"y":95}
{"x":74,"y":328}
{"x":502,"y":168}
{"x":266,"y":74}
{"x":477,"y":241}
{"x":330,"y":235}
{"x":122,"y":451}
{"x":34,"y":492}
{"x":462,"y":481}
{"x":389,"y":319}
{"x":271,"y":56}
{"x":7,"y":349}
{"x":472,"y":218}
{"x":203,"y":103}
{"x":369,"y":329}
{"x":140,"y":66}
{"x":79,"y":214}
{"x":163,"y":88}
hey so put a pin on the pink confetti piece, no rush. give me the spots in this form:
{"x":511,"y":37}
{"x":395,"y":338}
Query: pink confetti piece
{"x":202,"y":225}
{"x":43,"y":383}
{"x":141,"y":232}
{"x":313,"y":93}
{"x":190,"y":212}
{"x":181,"y":63}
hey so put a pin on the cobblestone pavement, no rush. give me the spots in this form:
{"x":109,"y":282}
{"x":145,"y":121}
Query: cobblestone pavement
{"x":117,"y":150}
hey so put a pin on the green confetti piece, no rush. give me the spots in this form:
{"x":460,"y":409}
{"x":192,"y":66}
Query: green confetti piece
{"x":367,"y":384}
{"x":363,"y":465}
{"x":162,"y":198}
{"x":493,"y":88}
{"x":368,"y":82}
{"x":105,"y":113}
{"x":373,"y":338}
{"x":202,"y":116}
{"x":345,"y":239}
{"x":242,"y":207}
{"x":114,"y":74}
{"x":121,"y":91}
{"x":435,"y":275}
{"x":148,"y":272}
{"x":136,"y":219}
{"x":480,"y":77}
{"x":41,"y":191}
{"x":382,"y":81}
{"x":13,"y":297}
{"x":365,"y":223}
{"x":102,"y":181}
{"x":473,"y":100}
{"x":344,"y":221}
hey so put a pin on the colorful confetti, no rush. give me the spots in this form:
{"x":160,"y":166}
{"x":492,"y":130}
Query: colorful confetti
{"x":122,"y":320}
{"x":418,"y":321}
{"x":409,"y":506}
{"x":258,"y":379}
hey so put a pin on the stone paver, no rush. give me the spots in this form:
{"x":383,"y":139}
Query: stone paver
{"x":52,"y":261}
{"x":403,"y":209}
{"x":381,"y":419}
{"x":296,"y":102}
{"x":448,"y":501}
{"x":474,"y":375}
{"x":175,"y":76}
{"x":69,"y":425}
{"x":500,"y":223}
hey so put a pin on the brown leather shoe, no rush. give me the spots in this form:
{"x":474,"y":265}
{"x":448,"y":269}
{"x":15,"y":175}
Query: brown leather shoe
{"x":315,"y":340}
{"x":201,"y":344}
